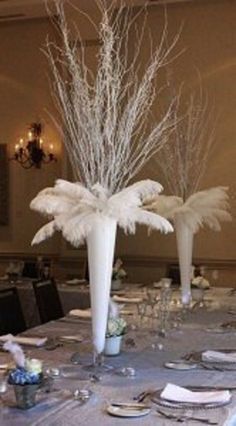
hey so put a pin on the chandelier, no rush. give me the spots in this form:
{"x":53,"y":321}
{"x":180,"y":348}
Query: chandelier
{"x":31,"y":153}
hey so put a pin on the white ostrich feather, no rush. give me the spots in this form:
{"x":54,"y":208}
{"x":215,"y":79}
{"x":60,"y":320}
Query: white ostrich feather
{"x":209,"y":208}
{"x":74,"y":213}
{"x":44,"y":233}
{"x":142,"y":217}
{"x":164,"y":205}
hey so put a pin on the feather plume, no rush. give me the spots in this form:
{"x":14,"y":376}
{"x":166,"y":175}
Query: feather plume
{"x":44,"y":233}
{"x":209,"y":208}
{"x":163,"y":205}
{"x":74,"y":209}
{"x":142,"y":217}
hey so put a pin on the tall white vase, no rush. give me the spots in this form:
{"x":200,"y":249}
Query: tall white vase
{"x":184,"y":237}
{"x":100,"y":244}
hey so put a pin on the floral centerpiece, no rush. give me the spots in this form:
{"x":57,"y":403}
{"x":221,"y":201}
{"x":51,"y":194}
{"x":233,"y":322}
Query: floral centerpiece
{"x":118,"y":273}
{"x":103,"y":123}
{"x":26,"y":376}
{"x":183,"y":161}
{"x":116,"y":328}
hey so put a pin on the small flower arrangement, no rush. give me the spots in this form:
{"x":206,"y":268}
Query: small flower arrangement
{"x":116,"y":327}
{"x":118,"y":273}
{"x":30,"y":374}
{"x":26,"y":377}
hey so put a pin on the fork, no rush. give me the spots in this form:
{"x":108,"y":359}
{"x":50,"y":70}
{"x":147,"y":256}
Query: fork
{"x":182,"y":418}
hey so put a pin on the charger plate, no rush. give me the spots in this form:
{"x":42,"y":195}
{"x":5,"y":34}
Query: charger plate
{"x":156,"y":398}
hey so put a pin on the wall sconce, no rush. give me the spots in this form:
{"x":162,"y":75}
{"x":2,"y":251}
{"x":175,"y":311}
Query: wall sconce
{"x":32,"y":153}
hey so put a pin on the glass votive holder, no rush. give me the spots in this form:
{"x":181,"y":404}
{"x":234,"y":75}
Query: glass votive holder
{"x":127,"y":372}
{"x":166,"y":282}
{"x":53,"y":372}
{"x":26,"y":395}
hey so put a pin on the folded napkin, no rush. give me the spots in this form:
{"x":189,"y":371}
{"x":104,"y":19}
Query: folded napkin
{"x":73,"y":338}
{"x":121,"y":299}
{"x":127,"y":312}
{"x":31,"y":341}
{"x":178,"y":394}
{"x":200,"y":282}
{"x":80,"y":313}
{"x":4,"y":366}
{"x":75,"y":281}
{"x":216,"y":356}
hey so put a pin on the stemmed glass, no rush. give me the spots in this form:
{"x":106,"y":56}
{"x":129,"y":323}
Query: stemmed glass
{"x":3,"y":389}
{"x":142,"y":307}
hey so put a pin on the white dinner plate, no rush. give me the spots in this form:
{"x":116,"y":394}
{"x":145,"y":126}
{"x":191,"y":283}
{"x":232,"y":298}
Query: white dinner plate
{"x":127,"y":411}
{"x":180,"y":365}
{"x":156,"y":398}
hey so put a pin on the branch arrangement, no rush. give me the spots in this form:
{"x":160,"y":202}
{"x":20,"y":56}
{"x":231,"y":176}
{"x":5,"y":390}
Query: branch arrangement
{"x":104,"y":116}
{"x":183,"y":160}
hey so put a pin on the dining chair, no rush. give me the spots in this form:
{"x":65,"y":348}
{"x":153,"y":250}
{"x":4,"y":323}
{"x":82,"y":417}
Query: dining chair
{"x":11,"y":315}
{"x":48,"y":300}
{"x":173,"y":272}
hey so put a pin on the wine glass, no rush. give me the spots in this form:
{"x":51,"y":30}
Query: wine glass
{"x":141,"y":311}
{"x":3,"y":389}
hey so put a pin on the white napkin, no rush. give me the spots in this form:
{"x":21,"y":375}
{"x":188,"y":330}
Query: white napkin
{"x":73,"y":338}
{"x":4,"y":366}
{"x":219,"y":356}
{"x":121,"y":299}
{"x":32,"y":341}
{"x":178,"y":394}
{"x":200,"y":282}
{"x":80,"y":313}
{"x":75,"y":281}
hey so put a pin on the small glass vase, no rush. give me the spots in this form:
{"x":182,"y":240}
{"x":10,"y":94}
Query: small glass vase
{"x":112,"y":345}
{"x":26,"y":395}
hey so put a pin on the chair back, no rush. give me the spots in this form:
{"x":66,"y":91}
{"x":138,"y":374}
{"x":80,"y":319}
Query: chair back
{"x":173,"y":272}
{"x":48,"y":300}
{"x":11,"y":315}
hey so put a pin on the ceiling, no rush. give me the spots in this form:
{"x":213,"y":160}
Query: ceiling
{"x":11,"y":10}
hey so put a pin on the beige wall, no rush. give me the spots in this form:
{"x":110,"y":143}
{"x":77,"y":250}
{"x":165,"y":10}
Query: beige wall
{"x":209,"y":40}
{"x":209,"y":37}
{"x":24,"y":94}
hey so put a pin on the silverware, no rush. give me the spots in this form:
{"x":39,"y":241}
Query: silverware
{"x":82,"y":396}
{"x":143,"y":395}
{"x":130,"y":405}
{"x":183,"y":418}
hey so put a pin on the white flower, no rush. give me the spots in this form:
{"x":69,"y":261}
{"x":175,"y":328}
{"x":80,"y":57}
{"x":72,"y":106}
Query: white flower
{"x":33,"y":365}
{"x":115,"y":327}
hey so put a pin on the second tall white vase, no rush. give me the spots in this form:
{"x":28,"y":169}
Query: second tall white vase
{"x":184,"y":238}
{"x":100,"y":245}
